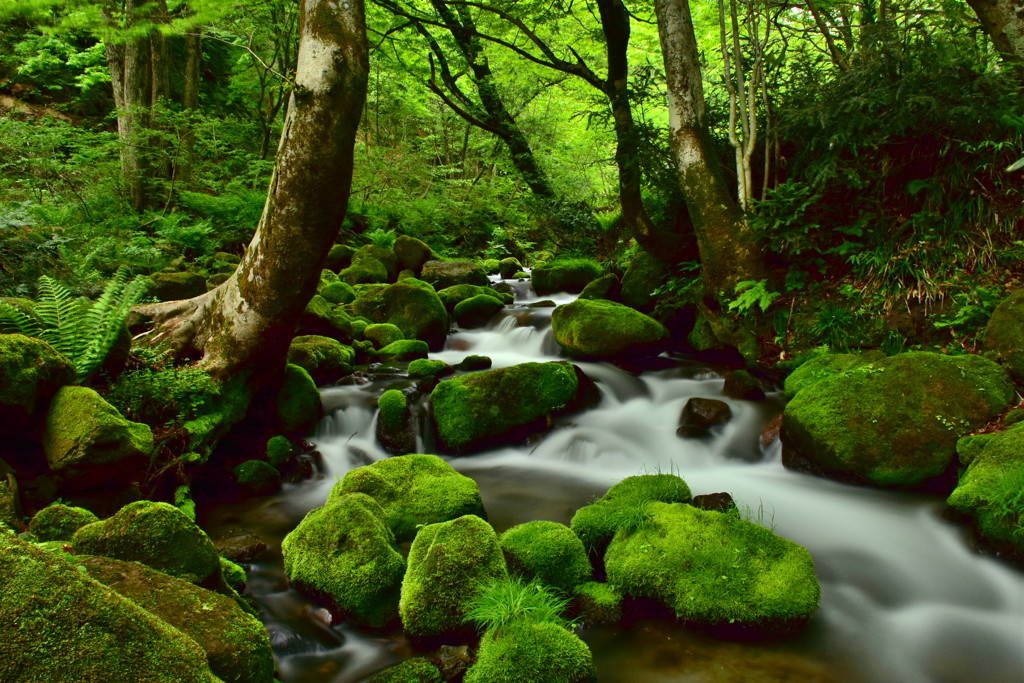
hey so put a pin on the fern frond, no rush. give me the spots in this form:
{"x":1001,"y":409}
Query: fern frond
{"x":14,"y":320}
{"x":61,"y":314}
{"x":104,"y":321}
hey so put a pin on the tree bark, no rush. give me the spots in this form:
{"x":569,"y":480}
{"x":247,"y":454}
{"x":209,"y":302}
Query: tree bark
{"x":729,"y":249}
{"x":248,"y":322}
{"x":1004,"y":22}
{"x":189,"y":103}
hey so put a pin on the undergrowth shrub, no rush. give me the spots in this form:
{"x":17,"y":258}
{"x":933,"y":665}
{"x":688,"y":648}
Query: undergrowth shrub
{"x":157,"y":397}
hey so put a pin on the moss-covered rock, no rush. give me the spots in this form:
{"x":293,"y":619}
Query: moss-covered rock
{"x":991,"y":490}
{"x":365,"y":271}
{"x":411,"y":305}
{"x":403,"y":350}
{"x":476,"y":311}
{"x":547,"y":551}
{"x":236,"y":644}
{"x":446,"y":563}
{"x":644,"y":274}
{"x":565,"y":275}
{"x":474,"y":363}
{"x":415,"y":670}
{"x":58,"y":624}
{"x":298,"y":401}
{"x":382,"y":334}
{"x":338,"y":293}
{"x":715,"y":569}
{"x":529,"y":652}
{"x":89,"y":444}
{"x":424,"y":367}
{"x":604,"y":287}
{"x":345,"y":553}
{"x":453,"y":296}
{"x":414,"y":490}
{"x":602,"y":329}
{"x":598,"y":603}
{"x":325,"y":359}
{"x":59,"y":522}
{"x":824,"y":367}
{"x":10,"y":509}
{"x":385,"y":255}
{"x":444,"y":274}
{"x":339,"y":257}
{"x":1004,"y":333}
{"x":490,"y":265}
{"x":624,"y":506}
{"x":412,"y":253}
{"x":324,"y":319}
{"x":234,"y":574}
{"x":508,"y":267}
{"x":280,"y":450}
{"x":175,"y":286}
{"x":257,"y":478}
{"x":894,"y":422}
{"x":158,"y":535}
{"x":395,"y":428}
{"x":31,"y":372}
{"x":473,"y":410}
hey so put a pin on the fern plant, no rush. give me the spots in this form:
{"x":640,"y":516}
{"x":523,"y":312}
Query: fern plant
{"x":750,"y":294}
{"x":83,"y":331}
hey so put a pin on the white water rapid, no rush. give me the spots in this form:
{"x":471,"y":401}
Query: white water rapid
{"x":903,"y":598}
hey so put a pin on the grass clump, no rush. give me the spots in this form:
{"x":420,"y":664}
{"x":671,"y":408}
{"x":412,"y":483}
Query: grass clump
{"x":501,"y":601}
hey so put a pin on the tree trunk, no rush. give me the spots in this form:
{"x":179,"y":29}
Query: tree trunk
{"x":1004,"y":22}
{"x":729,"y":250}
{"x":248,"y":322}
{"x":189,"y":103}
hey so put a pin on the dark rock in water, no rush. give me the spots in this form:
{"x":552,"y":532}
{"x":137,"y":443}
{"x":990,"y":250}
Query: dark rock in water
{"x":740,"y":384}
{"x":508,"y":267}
{"x":504,"y":288}
{"x":396,"y":430}
{"x":454,"y":660}
{"x":771,"y":431}
{"x":474,"y":363}
{"x":700,"y":415}
{"x":545,"y":303}
{"x":717,"y":502}
{"x":242,"y":547}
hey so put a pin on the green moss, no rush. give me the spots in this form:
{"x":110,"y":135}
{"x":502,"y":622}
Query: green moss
{"x":371,"y":253}
{"x":382,"y":334}
{"x":59,"y":522}
{"x":327,"y":277}
{"x":184,"y":502}
{"x":599,"y":603}
{"x":31,"y":372}
{"x":415,"y":670}
{"x":219,"y":416}
{"x":624,"y":506}
{"x":599,"y":328}
{"x":57,"y":624}
{"x":528,"y":652}
{"x":234,"y":574}
{"x":894,"y":422}
{"x":411,"y":305}
{"x":392,"y":406}
{"x":473,"y":363}
{"x":338,"y":293}
{"x":156,"y":534}
{"x":453,"y":296}
{"x":298,"y":401}
{"x":423,"y":367}
{"x":412,"y":253}
{"x":1004,"y":333}
{"x":508,"y":267}
{"x":345,"y":553}
{"x":547,"y":551}
{"x":967,"y":447}
{"x":257,"y":478}
{"x":565,"y":275}
{"x":322,"y":318}
{"x":280,"y":450}
{"x":715,"y":569}
{"x":365,"y":271}
{"x":404,"y":349}
{"x":444,"y":274}
{"x":236,"y":644}
{"x":414,"y":490}
{"x":490,"y":265}
{"x":644,"y":274}
{"x":604,"y":287}
{"x":177,"y":286}
{"x":484,"y":405}
{"x":1013,"y":417}
{"x":446,"y":561}
{"x":325,"y":359}
{"x":477,"y":311}
{"x":825,"y":367}
{"x":340,"y":256}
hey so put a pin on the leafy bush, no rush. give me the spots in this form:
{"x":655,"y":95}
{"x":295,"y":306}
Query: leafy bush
{"x":158,"y":397}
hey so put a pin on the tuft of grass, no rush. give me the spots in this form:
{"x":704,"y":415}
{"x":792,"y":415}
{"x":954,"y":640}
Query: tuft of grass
{"x":509,"y":599}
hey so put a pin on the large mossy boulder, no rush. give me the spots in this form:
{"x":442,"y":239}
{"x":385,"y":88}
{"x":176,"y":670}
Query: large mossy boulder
{"x":59,"y":522}
{"x":382,"y":334}
{"x":894,"y":422}
{"x":1004,"y":334}
{"x":31,"y":372}
{"x":325,"y":359}
{"x":411,"y":305}
{"x":473,"y":411}
{"x":297,"y":403}
{"x":532,"y":652}
{"x":825,"y":367}
{"x":58,"y":624}
{"x":991,"y":489}
{"x":547,"y":551}
{"x":89,"y":444}
{"x":623,"y":507}
{"x":565,"y":275}
{"x":324,"y":319}
{"x":715,"y":570}
{"x":508,"y":267}
{"x":177,"y":286}
{"x":339,"y":257}
{"x":345,"y":554}
{"x":338,"y":292}
{"x":605,"y":329}
{"x":444,"y":274}
{"x":605,"y":287}
{"x":644,"y":274}
{"x":447,"y":562}
{"x":236,"y":643}
{"x":477,"y":311}
{"x":158,"y":535}
{"x":414,"y":490}
{"x":453,"y":296}
{"x":412,"y":253}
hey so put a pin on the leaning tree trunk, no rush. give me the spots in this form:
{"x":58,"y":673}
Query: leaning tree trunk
{"x":729,"y":249}
{"x":1004,"y":22}
{"x":247,"y":323}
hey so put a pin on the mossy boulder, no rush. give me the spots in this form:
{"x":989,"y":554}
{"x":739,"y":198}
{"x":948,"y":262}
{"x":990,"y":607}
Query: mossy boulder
{"x":59,"y":522}
{"x":403,"y":350}
{"x":490,"y":265}
{"x":644,"y":274}
{"x":325,"y":359}
{"x":623,"y":507}
{"x":532,"y":652}
{"x":424,"y":367}
{"x":1004,"y":334}
{"x":991,"y":490}
{"x":547,"y":551}
{"x":257,"y":478}
{"x":31,"y":372}
{"x":508,"y":267}
{"x":565,"y":275}
{"x":233,"y":573}
{"x":605,"y":329}
{"x":414,"y":490}
{"x":894,"y":422}
{"x":598,"y":603}
{"x":476,"y":311}
{"x":298,"y":401}
{"x":89,"y":444}
{"x":385,"y":255}
{"x":345,"y":553}
{"x":158,"y":535}
{"x":58,"y":624}
{"x":236,"y":643}
{"x":604,"y":287}
{"x":412,"y":253}
{"x":324,"y":319}
{"x":382,"y":334}
{"x":364,"y":271}
{"x":415,"y":670}
{"x":10,"y":510}
{"x":338,"y":293}
{"x":396,"y":430}
{"x":280,"y":450}
{"x":474,"y":410}
{"x":453,"y":296}
{"x":447,"y":562}
{"x":176,"y":286}
{"x":715,"y":570}
{"x":339,"y":257}
{"x":444,"y":274}
{"x":411,"y":305}
{"x":825,"y":367}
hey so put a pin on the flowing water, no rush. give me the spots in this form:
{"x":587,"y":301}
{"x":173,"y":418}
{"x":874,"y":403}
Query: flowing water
{"x":903,"y":598}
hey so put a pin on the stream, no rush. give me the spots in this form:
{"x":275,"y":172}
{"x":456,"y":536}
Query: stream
{"x":903,"y":597}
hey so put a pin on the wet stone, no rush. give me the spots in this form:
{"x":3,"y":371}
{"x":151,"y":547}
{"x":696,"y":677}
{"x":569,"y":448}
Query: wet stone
{"x":700,"y":415}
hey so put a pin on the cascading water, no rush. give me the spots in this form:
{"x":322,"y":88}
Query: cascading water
{"x":903,"y":598}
